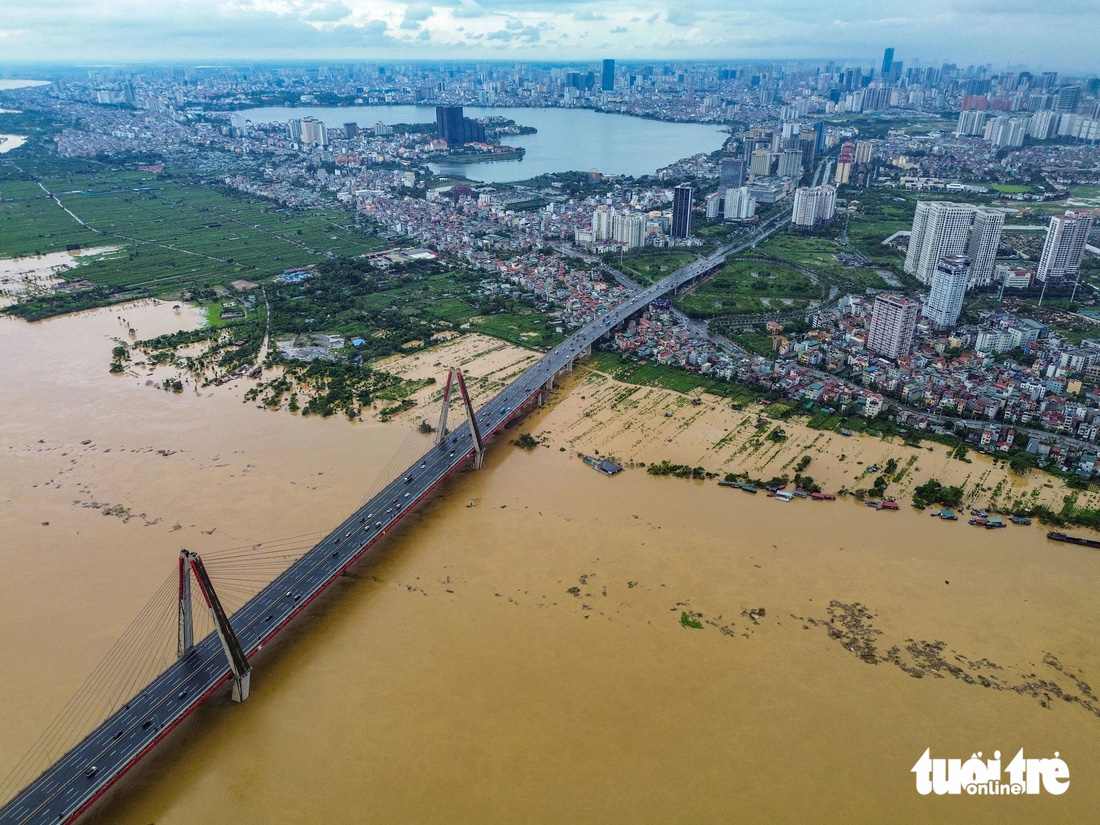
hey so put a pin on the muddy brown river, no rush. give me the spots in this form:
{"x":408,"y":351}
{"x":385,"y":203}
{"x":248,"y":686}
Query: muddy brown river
{"x":515,"y":653}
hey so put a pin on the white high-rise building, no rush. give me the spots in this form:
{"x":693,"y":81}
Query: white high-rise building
{"x":1064,"y":247}
{"x":628,"y":230}
{"x":971,"y":122}
{"x":981,"y":246}
{"x":813,"y":206}
{"x":713,"y":205}
{"x":601,"y":222}
{"x":940,"y":229}
{"x":314,"y":132}
{"x":864,"y":152}
{"x":1043,"y":125}
{"x":893,"y":320}
{"x":790,"y":165}
{"x":740,"y":204}
{"x":948,"y":288}
{"x":1007,"y":131}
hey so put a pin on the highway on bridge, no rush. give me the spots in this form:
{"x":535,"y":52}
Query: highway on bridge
{"x":68,"y":787}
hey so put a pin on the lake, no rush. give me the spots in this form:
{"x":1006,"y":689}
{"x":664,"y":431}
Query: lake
{"x":567,"y":139}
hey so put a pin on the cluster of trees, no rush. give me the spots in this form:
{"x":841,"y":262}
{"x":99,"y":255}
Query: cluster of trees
{"x":933,"y":492}
{"x":667,"y":468}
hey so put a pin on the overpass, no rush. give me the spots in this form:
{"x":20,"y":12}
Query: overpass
{"x":75,"y":781}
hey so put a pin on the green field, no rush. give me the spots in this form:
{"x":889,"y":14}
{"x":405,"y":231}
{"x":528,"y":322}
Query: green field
{"x":172,"y":234}
{"x":819,"y":254}
{"x":649,"y":267}
{"x":1011,"y":188}
{"x":750,"y":287}
{"x":656,"y":375}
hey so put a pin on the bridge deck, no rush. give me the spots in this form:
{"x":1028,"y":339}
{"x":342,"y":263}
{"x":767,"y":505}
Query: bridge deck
{"x":65,"y":789}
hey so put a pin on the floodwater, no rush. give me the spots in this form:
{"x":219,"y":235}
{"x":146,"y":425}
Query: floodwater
{"x":515,"y":653}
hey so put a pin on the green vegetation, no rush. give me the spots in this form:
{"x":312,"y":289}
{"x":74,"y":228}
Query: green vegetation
{"x":649,"y":267}
{"x":667,"y":468}
{"x":933,"y":492}
{"x":656,"y":375}
{"x":750,"y":288}
{"x":526,"y":441}
{"x":170,"y":233}
{"x":820,"y":255}
{"x":687,"y":621}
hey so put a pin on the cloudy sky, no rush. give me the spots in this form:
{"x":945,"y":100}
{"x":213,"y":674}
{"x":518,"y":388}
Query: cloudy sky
{"x":1041,"y":34}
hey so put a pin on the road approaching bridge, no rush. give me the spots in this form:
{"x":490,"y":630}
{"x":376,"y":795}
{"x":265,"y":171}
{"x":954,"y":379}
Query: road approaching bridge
{"x":69,"y":786}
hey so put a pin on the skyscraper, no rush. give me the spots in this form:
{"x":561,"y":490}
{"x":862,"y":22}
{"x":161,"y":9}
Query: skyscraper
{"x":731,"y":174}
{"x":681,"y":211}
{"x":628,"y":230}
{"x":948,"y":288}
{"x":790,"y":164}
{"x":813,"y":206}
{"x":893,"y":319}
{"x":887,"y":61}
{"x":982,"y":243}
{"x":608,"y":84}
{"x":1064,"y":247}
{"x":456,"y":129}
{"x":942,"y":228}
{"x":740,"y":204}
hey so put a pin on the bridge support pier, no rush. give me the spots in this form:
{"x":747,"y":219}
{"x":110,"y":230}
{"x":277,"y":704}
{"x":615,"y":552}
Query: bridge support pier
{"x":238,"y":663}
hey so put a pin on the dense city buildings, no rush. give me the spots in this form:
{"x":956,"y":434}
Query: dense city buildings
{"x":681,"y":211}
{"x":893,"y":320}
{"x":1064,"y":247}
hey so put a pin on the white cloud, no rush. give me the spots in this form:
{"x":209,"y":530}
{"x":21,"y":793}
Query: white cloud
{"x":1051,"y":34}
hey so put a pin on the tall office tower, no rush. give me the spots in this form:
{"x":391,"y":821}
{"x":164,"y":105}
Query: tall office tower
{"x":351,"y":130}
{"x":893,"y":319}
{"x":294,"y":130}
{"x":628,"y":230}
{"x":971,"y":122}
{"x":456,"y":129}
{"x":681,"y":211}
{"x":887,"y":61}
{"x":948,"y":288}
{"x":864,"y":152}
{"x":1068,"y":98}
{"x":1064,"y":247}
{"x":608,"y":84}
{"x":731,"y":174}
{"x":761,"y":164}
{"x":982,"y":243}
{"x":790,"y":164}
{"x":740,"y":204}
{"x":813,"y":206}
{"x":940,"y":229}
{"x":821,"y":144}
{"x":601,"y":222}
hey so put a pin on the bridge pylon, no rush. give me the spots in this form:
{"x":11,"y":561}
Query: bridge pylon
{"x":238,"y":663}
{"x":186,"y":635}
{"x":455,"y":378}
